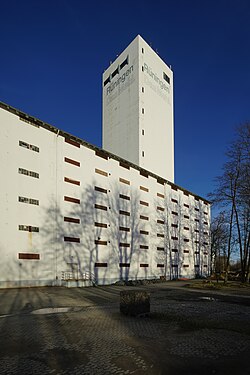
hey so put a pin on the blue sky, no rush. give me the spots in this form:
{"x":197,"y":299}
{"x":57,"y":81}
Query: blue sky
{"x":53,"y":54}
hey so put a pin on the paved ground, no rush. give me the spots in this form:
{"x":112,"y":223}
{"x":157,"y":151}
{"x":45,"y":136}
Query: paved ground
{"x":81,"y":331}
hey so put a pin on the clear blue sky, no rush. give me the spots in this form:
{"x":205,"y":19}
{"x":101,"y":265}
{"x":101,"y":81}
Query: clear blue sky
{"x":53,"y":54}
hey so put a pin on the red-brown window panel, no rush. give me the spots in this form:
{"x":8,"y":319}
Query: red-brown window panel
{"x":144,"y":203}
{"x":30,"y":256}
{"x":126,"y":213}
{"x":126,"y":197}
{"x":124,"y":165}
{"x":144,"y":173}
{"x":124,"y":264}
{"x":101,"y":225}
{"x":101,"y":190}
{"x":72,"y":239}
{"x":143,"y":246}
{"x":160,"y":181}
{"x":160,"y":222}
{"x":72,"y":200}
{"x":101,"y":154}
{"x":101,"y":207}
{"x":124,"y":181}
{"x":160,"y":195}
{"x":71,"y":220}
{"x":71,"y":181}
{"x":144,"y":265}
{"x":160,"y":265}
{"x":123,"y":244}
{"x":99,"y":171}
{"x":101,"y":264}
{"x":99,"y":242}
{"x":73,"y":162}
{"x":71,"y":142}
{"x":125,"y":229}
{"x":144,"y":188}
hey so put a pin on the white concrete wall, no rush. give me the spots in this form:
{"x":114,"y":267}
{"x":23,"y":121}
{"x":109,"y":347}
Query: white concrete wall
{"x":138,"y":113}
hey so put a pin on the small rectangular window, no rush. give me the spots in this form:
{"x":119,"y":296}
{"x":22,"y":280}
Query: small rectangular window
{"x":71,"y":199}
{"x":160,"y":248}
{"x":102,"y":154}
{"x":124,"y":181}
{"x":174,"y":225}
{"x":186,"y":205}
{"x":159,"y":208}
{"x":174,"y":200}
{"x":124,"y":165}
{"x":144,"y":217}
{"x":99,"y":242}
{"x":174,"y":238}
{"x":142,"y":111}
{"x":73,"y":162}
{"x":29,"y":256}
{"x":186,"y":217}
{"x":142,"y":50}
{"x":186,"y":228}
{"x":142,"y":89}
{"x":101,"y":264}
{"x":143,"y":154}
{"x":161,"y":235}
{"x":144,"y":265}
{"x":160,"y":222}
{"x":124,"y":229}
{"x":166,"y":77}
{"x":174,"y":188}
{"x":101,"y":225}
{"x":71,"y":220}
{"x":185,"y":251}
{"x":28,"y":173}
{"x":28,"y":200}
{"x":126,"y":213}
{"x":124,"y":264}
{"x":142,"y":132}
{"x":71,"y":181}
{"x":160,"y":195}
{"x":29,"y":146}
{"x":196,"y":220}
{"x":72,"y":142}
{"x":144,"y":173}
{"x":145,"y":247}
{"x":144,"y":232}
{"x":126,"y":197}
{"x":72,"y":239}
{"x":124,"y":244}
{"x":175,"y":250}
{"x":28,"y":228}
{"x":186,"y":240}
{"x":99,"y":171}
{"x":175,"y":213}
{"x":144,"y":188}
{"x":101,"y":190}
{"x":143,"y":203}
{"x":185,"y":265}
{"x":160,"y":265}
{"x":101,"y":207}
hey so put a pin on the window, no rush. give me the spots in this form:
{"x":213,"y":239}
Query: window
{"x":144,"y":247}
{"x":124,"y":181}
{"x":144,"y":188}
{"x":29,"y":120}
{"x":160,"y":248}
{"x":144,"y":217}
{"x":73,"y":162}
{"x":174,"y":225}
{"x":99,"y":171}
{"x":28,"y":200}
{"x":175,"y":250}
{"x":124,"y":165}
{"x":175,"y":213}
{"x":186,"y":205}
{"x":101,"y":154}
{"x":160,"y":195}
{"x":71,"y":142}
{"x":71,"y":181}
{"x":196,"y":230}
{"x":174,"y":188}
{"x":144,"y":265}
{"x":99,"y":242}
{"x":160,"y":222}
{"x":124,"y":229}
{"x":143,"y":154}
{"x":187,"y":228}
{"x":126,"y":197}
{"x":72,"y":200}
{"x":107,"y":81}
{"x":186,"y":193}
{"x":28,"y":173}
{"x":196,"y":209}
{"x":142,"y":89}
{"x":185,"y":265}
{"x":159,"y":208}
{"x":205,"y":223}
{"x":101,"y":264}
{"x":71,"y":220}
{"x":72,"y":239}
{"x":124,"y":63}
{"x":174,"y":238}
{"x":143,"y":203}
{"x":186,"y":240}
{"x":160,"y":181}
{"x":124,"y":244}
{"x":205,"y":213}
{"x":28,"y":228}
{"x":101,"y":207}
{"x":142,"y":68}
{"x":30,"y":256}
{"x":124,"y":264}
{"x":142,"y":111}
{"x":174,"y":200}
{"x":144,"y":232}
{"x":126,"y":213}
{"x":205,"y":243}
{"x":161,"y":235}
{"x":186,"y":217}
{"x":160,"y":265}
{"x":142,"y":50}
{"x":185,"y":251}
{"x":101,"y":225}
{"x":166,"y":77}
{"x":196,"y":220}
{"x":144,"y":173}
{"x":101,"y":190}
{"x":29,"y":146}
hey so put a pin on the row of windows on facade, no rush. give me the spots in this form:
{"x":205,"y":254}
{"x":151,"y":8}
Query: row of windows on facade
{"x":99,"y":153}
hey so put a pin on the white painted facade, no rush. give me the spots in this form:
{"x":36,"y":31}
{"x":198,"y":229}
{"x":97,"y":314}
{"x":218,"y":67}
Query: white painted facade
{"x":75,"y":208}
{"x":138,"y":109}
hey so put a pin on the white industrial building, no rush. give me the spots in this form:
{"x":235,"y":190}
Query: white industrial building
{"x":73,"y":211}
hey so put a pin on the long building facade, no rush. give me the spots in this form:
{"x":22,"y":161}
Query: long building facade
{"x":75,"y":214}
{"x":70,"y":210}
